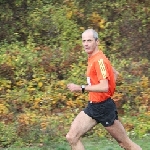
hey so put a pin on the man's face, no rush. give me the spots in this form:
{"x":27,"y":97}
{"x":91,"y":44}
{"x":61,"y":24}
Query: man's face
{"x":89,"y":43}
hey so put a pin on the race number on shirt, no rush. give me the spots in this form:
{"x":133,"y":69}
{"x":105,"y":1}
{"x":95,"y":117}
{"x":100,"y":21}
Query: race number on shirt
{"x":88,"y":81}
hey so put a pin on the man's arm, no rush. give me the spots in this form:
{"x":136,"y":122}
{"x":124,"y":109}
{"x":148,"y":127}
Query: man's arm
{"x":116,"y":73}
{"x":101,"y":87}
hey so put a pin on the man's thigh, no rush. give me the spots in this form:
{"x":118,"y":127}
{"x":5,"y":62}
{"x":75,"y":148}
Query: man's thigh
{"x":81,"y":124}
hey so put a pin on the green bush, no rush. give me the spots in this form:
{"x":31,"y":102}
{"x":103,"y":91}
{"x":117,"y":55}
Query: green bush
{"x":8,"y":134}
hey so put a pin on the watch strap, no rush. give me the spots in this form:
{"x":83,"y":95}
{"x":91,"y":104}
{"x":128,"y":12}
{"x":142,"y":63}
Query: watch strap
{"x":83,"y":88}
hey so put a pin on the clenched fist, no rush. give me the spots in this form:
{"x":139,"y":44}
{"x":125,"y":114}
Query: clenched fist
{"x":74,"y":87}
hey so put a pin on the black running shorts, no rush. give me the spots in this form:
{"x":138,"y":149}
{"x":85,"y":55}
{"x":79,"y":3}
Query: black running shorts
{"x":103,"y":112}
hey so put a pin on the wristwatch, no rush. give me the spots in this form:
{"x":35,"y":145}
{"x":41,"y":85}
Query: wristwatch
{"x":83,"y":88}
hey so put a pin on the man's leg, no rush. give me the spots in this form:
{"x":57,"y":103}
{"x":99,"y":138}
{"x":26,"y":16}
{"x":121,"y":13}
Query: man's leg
{"x":118,"y":132}
{"x":81,"y":124}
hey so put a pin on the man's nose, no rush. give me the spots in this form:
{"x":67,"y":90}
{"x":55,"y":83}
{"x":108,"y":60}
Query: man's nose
{"x":85,"y":43}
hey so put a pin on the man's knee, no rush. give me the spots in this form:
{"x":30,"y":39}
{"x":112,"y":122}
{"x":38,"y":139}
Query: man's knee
{"x":71,"y":139}
{"x":68,"y":137}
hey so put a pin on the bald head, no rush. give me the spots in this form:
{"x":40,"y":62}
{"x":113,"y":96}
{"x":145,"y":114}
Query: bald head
{"x":92,"y":32}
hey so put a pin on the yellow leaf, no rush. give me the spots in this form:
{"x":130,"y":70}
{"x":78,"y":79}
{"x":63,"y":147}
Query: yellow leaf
{"x":82,"y":28}
{"x":31,"y":89}
{"x":69,"y":14}
{"x":101,"y":25}
{"x":40,"y":84}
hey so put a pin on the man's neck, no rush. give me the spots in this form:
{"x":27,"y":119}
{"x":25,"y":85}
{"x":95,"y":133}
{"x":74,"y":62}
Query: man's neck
{"x":94,"y":52}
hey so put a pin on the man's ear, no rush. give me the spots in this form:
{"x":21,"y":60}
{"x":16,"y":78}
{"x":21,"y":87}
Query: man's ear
{"x":97,"y":41}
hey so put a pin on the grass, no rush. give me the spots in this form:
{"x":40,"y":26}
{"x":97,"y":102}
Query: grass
{"x":90,"y":144}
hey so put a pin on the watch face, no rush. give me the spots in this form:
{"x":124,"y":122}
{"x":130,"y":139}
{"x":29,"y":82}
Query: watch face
{"x":83,"y":86}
